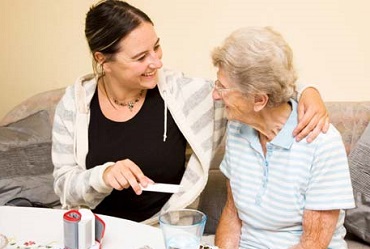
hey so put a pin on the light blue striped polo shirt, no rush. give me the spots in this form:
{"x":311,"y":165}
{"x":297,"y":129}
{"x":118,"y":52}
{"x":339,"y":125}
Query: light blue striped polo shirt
{"x":272,"y":191}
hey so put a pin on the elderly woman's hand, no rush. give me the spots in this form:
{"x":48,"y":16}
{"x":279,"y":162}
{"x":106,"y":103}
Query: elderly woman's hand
{"x":313,"y":117}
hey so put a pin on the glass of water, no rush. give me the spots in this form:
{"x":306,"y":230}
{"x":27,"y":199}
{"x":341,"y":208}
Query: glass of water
{"x":182,"y":229}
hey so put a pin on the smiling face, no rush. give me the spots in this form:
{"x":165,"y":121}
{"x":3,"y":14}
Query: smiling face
{"x":139,"y":57}
{"x":237,"y":104}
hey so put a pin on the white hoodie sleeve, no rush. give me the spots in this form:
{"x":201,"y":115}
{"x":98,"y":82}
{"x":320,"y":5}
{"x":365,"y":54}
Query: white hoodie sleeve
{"x":73,"y":183}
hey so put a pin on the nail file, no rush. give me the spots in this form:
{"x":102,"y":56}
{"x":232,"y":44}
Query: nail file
{"x":163,"y":187}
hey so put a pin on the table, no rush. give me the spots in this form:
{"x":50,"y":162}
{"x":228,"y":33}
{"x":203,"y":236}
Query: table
{"x":29,"y":228}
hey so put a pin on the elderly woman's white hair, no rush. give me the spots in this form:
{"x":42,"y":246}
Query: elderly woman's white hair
{"x":258,"y":60}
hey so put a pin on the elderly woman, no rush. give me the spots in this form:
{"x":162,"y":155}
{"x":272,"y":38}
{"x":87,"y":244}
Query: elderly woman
{"x":282,"y":193}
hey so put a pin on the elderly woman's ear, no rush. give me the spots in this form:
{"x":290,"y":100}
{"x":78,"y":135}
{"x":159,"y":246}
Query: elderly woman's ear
{"x":260,"y":101}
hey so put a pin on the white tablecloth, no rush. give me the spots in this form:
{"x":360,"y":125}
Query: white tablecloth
{"x":40,"y":228}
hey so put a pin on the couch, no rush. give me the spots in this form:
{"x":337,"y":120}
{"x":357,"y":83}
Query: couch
{"x":26,"y":168}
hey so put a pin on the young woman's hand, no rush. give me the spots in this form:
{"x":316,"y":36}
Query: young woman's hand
{"x":313,"y":117}
{"x":126,"y":173}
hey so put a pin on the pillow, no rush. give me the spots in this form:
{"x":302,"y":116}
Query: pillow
{"x":42,"y":101}
{"x":34,"y":129}
{"x":357,"y":220}
{"x":25,"y":160}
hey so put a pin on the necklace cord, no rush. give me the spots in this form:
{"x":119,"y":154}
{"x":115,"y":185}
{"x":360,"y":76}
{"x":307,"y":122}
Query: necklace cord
{"x":130,"y":104}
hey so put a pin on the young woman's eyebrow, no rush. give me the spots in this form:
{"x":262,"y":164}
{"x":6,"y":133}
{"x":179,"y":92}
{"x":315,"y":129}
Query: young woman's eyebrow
{"x":144,"y":52}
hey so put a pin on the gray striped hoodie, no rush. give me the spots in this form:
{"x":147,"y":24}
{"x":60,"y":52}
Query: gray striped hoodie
{"x":189,"y":100}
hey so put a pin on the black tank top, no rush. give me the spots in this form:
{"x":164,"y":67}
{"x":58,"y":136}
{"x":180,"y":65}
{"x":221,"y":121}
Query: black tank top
{"x":139,"y":139}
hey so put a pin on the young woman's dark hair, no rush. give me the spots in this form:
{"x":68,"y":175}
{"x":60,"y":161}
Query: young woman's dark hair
{"x":108,"y":22}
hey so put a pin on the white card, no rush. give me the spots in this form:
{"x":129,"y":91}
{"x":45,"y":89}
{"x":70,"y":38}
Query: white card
{"x":163,"y":187}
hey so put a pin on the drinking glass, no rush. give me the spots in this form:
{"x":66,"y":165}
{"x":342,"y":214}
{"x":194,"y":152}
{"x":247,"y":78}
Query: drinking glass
{"x":182,"y":229}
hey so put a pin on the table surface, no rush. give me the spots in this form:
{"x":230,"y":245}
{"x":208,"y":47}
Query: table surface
{"x":28,"y":228}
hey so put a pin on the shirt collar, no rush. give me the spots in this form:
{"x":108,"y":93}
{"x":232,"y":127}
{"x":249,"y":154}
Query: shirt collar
{"x":284,"y":138}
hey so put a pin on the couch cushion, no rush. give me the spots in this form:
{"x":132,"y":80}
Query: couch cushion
{"x":354,"y":242}
{"x":25,"y":160}
{"x":358,"y":219}
{"x":212,"y":200}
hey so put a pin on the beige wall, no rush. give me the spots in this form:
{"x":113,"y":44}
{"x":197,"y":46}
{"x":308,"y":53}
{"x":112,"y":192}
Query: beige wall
{"x":42,"y":43}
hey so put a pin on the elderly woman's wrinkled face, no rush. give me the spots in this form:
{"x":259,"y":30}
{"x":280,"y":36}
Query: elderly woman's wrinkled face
{"x":237,"y":105}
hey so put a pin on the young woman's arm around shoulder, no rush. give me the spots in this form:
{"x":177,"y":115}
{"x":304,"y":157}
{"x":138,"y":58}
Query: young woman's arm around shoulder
{"x":313,"y":117}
